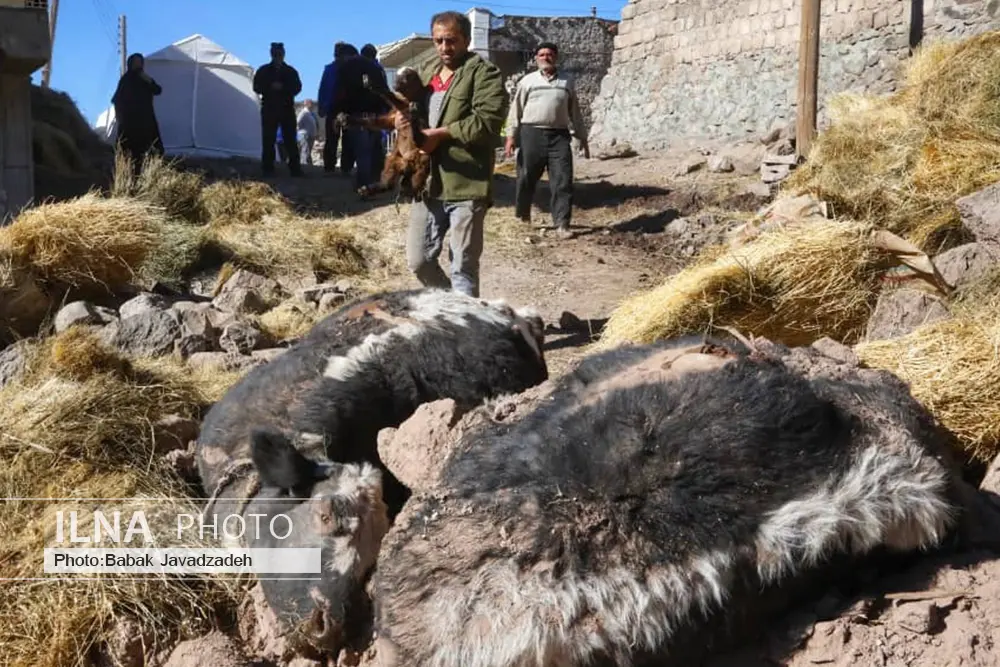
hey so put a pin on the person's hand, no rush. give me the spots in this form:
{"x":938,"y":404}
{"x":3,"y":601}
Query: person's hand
{"x":433,"y":140}
{"x":508,"y":148}
{"x":401,"y":122}
{"x":145,"y":77}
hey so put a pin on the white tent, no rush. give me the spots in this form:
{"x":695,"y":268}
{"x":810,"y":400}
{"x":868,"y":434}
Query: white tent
{"x":207,"y":107}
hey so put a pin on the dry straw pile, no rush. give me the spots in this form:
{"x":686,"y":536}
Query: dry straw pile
{"x":953,"y":367}
{"x":79,"y":424}
{"x":792,"y":284}
{"x":902,"y":161}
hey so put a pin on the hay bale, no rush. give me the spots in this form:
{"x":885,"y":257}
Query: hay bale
{"x":792,"y":284}
{"x":901,"y":161}
{"x":242,"y":202}
{"x":290,"y":319}
{"x":161,"y":184}
{"x":84,"y":241}
{"x":54,"y":148}
{"x":24,"y":306}
{"x":953,"y":367}
{"x":287,"y":245}
{"x":79,"y":424}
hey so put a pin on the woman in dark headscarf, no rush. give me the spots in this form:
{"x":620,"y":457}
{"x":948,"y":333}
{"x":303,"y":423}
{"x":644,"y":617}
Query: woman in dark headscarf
{"x":138,"y":131}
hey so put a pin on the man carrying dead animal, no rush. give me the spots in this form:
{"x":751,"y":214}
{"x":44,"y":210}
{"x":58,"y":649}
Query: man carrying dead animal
{"x":544,"y":107}
{"x":467,"y":103}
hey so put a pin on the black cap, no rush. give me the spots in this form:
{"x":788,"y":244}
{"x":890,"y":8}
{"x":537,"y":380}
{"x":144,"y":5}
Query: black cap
{"x":277,"y":46}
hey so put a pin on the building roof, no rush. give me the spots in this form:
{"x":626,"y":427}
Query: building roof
{"x":396,"y":53}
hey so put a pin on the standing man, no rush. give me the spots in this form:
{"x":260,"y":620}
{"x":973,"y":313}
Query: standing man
{"x":544,"y":107}
{"x":138,"y":131}
{"x":378,"y":160}
{"x":308,"y":129}
{"x":354,"y":99}
{"x":327,"y":112}
{"x":278,"y":83}
{"x":466,"y":106}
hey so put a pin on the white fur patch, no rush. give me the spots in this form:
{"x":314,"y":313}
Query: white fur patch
{"x":888,"y":496}
{"x":456,"y":308}
{"x":343,"y":367}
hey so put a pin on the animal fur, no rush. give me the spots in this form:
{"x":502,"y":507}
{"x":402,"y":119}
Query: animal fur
{"x":654,"y":493}
{"x":406,"y":168}
{"x":307,"y":423}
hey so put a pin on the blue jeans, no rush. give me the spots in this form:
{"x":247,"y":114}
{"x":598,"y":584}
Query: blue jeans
{"x":362,"y":144}
{"x":430,"y":220}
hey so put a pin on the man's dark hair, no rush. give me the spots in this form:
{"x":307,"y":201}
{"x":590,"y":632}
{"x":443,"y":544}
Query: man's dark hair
{"x":349,"y":50}
{"x":338,"y":49}
{"x":457,"y":18}
{"x":369,"y":51}
{"x":547,"y":45}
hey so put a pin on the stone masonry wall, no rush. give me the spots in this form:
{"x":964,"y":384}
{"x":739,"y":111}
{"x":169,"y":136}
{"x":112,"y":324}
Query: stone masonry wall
{"x":687,"y":70}
{"x":585,"y":49}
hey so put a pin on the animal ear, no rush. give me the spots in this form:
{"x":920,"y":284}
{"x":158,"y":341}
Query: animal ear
{"x":277,"y":461}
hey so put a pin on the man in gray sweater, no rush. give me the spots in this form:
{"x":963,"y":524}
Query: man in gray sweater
{"x":543,"y":110}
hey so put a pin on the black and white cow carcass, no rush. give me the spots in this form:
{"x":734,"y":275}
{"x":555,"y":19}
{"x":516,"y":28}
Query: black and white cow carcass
{"x":652,"y":494}
{"x":298,"y":435}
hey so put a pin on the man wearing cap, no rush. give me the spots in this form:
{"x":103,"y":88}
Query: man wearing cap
{"x":278,"y":83}
{"x":544,"y":114}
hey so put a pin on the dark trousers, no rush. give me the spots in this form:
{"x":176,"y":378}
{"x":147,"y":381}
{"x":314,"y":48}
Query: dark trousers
{"x":363,"y":145}
{"x":542,"y":149}
{"x":269,"y":122}
{"x":334,"y":137}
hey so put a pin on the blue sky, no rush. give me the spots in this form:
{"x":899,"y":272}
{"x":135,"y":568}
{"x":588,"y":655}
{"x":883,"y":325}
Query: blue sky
{"x":85,"y":61}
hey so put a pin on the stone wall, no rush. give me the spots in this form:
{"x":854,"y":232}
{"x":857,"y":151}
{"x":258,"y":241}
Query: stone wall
{"x":585,"y":49}
{"x":689,"y":70}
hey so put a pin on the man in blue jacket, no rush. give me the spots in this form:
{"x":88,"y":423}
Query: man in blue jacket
{"x":325,"y":104}
{"x":354,"y":99}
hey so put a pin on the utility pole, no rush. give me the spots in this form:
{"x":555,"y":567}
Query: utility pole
{"x":805,"y":118}
{"x":122,"y":42}
{"x":47,"y":70}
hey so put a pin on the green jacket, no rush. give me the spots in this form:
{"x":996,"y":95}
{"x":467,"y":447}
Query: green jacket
{"x":473,"y":109}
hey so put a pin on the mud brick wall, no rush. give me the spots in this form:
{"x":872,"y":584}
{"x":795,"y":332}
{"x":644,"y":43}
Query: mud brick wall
{"x":727,"y":69}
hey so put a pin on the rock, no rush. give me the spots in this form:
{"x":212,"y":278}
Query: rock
{"x":918,"y":617}
{"x":13,"y":362}
{"x":197,"y":322}
{"x":720,"y":164}
{"x":189,"y":344}
{"x":219,"y":319}
{"x":774,"y":173}
{"x":141,"y":304}
{"x":82,"y":312}
{"x":570,"y":322}
{"x":966,"y":263}
{"x":259,"y":628}
{"x":980,"y":213}
{"x":293,"y":283}
{"x":690,"y":165}
{"x":149,"y":334}
{"x":332,"y":301}
{"x":268,"y":354}
{"x":223,"y":361}
{"x":212,"y":650}
{"x":899,"y":312}
{"x":240,"y":338}
{"x":757,"y":190}
{"x":836,"y":351}
{"x":417,"y":450}
{"x":316,"y":292}
{"x":677,"y":227}
{"x":246,"y":292}
{"x":991,"y":481}
{"x":784,"y":147}
{"x":174,"y":432}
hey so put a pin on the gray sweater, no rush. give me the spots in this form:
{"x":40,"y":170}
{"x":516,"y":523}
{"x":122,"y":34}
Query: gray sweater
{"x":544,"y":103}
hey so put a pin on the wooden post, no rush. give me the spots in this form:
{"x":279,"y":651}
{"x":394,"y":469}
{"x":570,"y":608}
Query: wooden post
{"x":122,"y":42}
{"x":47,"y":70}
{"x":805,"y":118}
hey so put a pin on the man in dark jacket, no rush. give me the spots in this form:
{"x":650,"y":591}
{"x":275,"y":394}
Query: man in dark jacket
{"x":278,"y":83}
{"x":325,"y":103}
{"x":353,"y":98}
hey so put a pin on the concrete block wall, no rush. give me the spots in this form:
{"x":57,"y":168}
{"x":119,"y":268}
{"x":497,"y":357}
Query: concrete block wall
{"x":686,"y":70}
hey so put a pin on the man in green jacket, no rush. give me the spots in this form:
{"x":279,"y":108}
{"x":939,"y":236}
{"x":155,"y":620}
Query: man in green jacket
{"x":467,"y":107}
